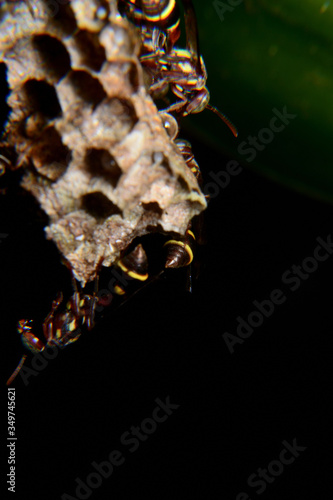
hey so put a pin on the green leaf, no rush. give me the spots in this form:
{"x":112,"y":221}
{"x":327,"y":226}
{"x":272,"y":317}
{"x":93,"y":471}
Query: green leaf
{"x":265,"y":55}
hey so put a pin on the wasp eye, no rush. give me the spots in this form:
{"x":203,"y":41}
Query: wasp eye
{"x":170,"y":124}
{"x":200,"y":102}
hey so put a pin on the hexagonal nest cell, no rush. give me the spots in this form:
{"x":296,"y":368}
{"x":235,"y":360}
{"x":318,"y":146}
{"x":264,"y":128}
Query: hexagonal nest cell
{"x":86,"y":132}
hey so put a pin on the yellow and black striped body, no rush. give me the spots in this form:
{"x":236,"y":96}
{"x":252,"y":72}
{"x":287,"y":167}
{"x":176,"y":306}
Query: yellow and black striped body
{"x":186,"y":150}
{"x":183,"y":70}
{"x":59,"y":328}
{"x":66,"y":328}
{"x":134,"y":266}
{"x":153,"y":14}
{"x":180,"y":251}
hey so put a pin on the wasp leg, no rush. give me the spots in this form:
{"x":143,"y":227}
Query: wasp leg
{"x":159,"y":89}
{"x":48,"y":330}
{"x":91,"y":315}
{"x":178,"y":107}
{"x":189,"y":279}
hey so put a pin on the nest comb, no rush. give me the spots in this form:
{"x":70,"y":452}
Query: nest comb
{"x":87,"y":134}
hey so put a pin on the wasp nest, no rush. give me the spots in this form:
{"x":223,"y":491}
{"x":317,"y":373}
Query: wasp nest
{"x":89,"y":137}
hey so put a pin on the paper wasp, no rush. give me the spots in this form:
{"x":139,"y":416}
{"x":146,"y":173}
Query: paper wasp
{"x":134,"y":266}
{"x":60,"y":328}
{"x":171,"y":126}
{"x":180,"y":250}
{"x":183,"y":70}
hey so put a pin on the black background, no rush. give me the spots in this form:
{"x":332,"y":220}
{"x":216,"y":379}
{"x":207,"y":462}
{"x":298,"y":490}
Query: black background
{"x":235,"y":409}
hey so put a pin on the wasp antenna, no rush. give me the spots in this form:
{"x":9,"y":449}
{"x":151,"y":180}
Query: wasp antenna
{"x":3,"y":158}
{"x":224,"y":118}
{"x":17,"y":369}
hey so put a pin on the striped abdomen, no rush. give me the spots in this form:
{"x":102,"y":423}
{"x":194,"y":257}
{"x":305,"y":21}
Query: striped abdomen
{"x":162,"y":14}
{"x":180,"y":251}
{"x":134,"y":265}
{"x":187,"y":153}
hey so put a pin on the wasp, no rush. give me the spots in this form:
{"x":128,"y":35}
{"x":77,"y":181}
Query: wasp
{"x":63,"y":327}
{"x":134,"y":266}
{"x":180,"y":251}
{"x":171,"y":126}
{"x":159,"y":23}
{"x":60,"y":328}
{"x":183,"y":70}
{"x":186,"y":150}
